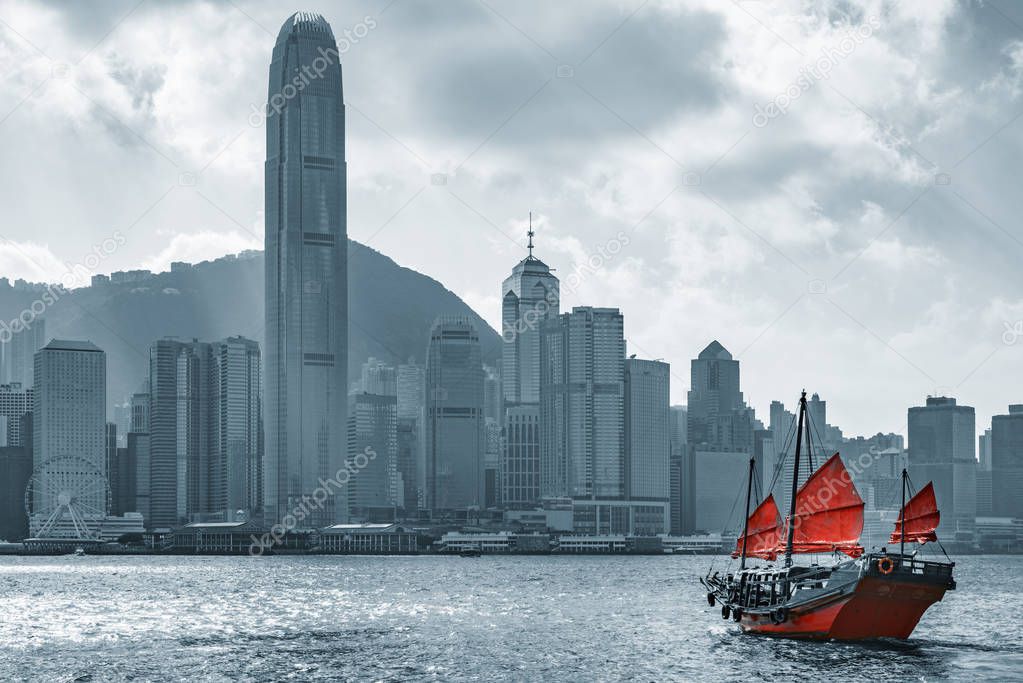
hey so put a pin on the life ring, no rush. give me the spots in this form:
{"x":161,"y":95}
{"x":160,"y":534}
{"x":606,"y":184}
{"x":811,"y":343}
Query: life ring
{"x":885,"y":565}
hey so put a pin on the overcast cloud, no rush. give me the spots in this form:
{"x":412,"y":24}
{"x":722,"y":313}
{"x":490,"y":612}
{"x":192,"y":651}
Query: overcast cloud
{"x":865,"y":243}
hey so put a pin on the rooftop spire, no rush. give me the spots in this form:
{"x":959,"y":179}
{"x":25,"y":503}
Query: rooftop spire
{"x":530,"y":233}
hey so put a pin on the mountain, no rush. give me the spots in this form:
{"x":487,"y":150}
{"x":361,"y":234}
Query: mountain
{"x":391,"y":310}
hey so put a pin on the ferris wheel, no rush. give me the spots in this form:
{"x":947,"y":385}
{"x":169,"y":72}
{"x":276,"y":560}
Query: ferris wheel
{"x":67,"y":497}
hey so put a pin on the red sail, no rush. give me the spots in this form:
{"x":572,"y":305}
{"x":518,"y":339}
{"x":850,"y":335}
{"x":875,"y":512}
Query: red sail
{"x":829,"y":513}
{"x":764,"y":532}
{"x":921,"y":518}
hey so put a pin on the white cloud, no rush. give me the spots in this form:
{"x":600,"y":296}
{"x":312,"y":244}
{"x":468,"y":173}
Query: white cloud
{"x":201,"y":246}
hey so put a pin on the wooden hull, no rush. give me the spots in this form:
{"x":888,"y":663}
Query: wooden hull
{"x":878,"y":607}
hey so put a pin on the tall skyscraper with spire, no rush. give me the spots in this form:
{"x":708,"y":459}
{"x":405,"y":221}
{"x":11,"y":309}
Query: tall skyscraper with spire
{"x":306,"y":270}
{"x":529,"y":297}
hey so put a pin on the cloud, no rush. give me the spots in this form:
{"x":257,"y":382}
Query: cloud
{"x":201,"y":246}
{"x":30,"y":261}
{"x":650,"y":132}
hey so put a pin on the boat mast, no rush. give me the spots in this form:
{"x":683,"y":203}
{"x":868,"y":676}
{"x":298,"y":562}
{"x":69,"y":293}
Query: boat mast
{"x":795,"y":481}
{"x":745,"y":527}
{"x":902,"y":514}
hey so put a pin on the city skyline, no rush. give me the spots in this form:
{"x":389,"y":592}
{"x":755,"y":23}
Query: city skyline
{"x":509,"y":339}
{"x":907,"y":254}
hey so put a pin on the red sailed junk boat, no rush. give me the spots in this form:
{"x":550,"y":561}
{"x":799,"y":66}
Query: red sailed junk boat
{"x":867,"y":596}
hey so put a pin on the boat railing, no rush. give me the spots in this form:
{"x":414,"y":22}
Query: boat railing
{"x":908,"y":564}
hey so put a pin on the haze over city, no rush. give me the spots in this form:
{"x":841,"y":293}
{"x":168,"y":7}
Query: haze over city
{"x":863,"y":243}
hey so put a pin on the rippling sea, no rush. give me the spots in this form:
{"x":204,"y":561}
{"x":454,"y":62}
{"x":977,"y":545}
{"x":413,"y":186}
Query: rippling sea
{"x":441,"y":618}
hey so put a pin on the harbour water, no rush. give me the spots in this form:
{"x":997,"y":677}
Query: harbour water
{"x":441,"y":618}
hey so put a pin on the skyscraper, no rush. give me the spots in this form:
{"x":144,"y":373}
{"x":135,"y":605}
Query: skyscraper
{"x":372,"y":432}
{"x":455,"y":443}
{"x":236,"y":465}
{"x":681,"y":512}
{"x":411,"y":380}
{"x":138,"y":455}
{"x":942,"y":442}
{"x":493,"y":401}
{"x":204,"y":439}
{"x":180,"y":431}
{"x":17,"y":353}
{"x":529,"y":297}
{"x":1007,"y":463}
{"x":69,"y":417}
{"x":15,"y":402}
{"x":306,"y":269}
{"x":648,"y":440}
{"x":520,"y":461}
{"x":718,"y":418}
{"x":15,"y":470}
{"x":582,"y":404}
{"x":647,"y":429}
{"x":378,"y":378}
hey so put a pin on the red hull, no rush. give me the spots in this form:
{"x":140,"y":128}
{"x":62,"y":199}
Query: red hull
{"x":877,"y":608}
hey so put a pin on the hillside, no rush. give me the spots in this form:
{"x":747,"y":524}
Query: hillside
{"x":391,"y":311}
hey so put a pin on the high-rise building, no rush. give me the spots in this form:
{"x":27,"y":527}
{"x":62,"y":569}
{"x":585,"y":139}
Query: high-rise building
{"x":378,"y":378}
{"x":140,"y":411}
{"x":123,"y":476}
{"x":520,"y":459}
{"x":180,"y":433}
{"x":492,"y":453}
{"x":306,"y":248}
{"x":15,"y":402}
{"x":17,"y":353}
{"x":411,"y":390}
{"x":1007,"y":463}
{"x":376,"y":483}
{"x":942,"y":442}
{"x":236,"y":464}
{"x":718,"y":418}
{"x":411,"y":387}
{"x":530,"y":296}
{"x":110,"y":455}
{"x":137,"y":456}
{"x":679,"y":502}
{"x":647,"y":429}
{"x":455,"y":446}
{"x":15,"y":470}
{"x":69,"y":419}
{"x":493,"y":401}
{"x":204,"y":438}
{"x":984,"y":450}
{"x":648,"y":444}
{"x":409,"y":448}
{"x":582,"y":405}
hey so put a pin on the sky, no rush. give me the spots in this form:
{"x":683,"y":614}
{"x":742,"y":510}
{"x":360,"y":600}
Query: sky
{"x":829,"y":189}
